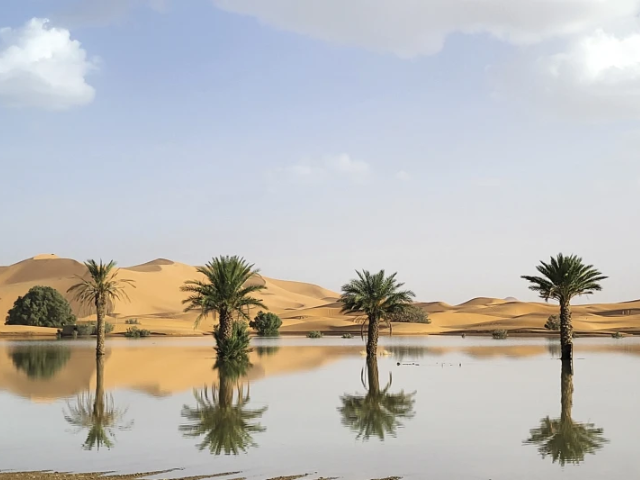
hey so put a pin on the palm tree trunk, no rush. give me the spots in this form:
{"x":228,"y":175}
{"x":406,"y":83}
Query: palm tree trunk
{"x":373,"y":376}
{"x":98,"y":403}
{"x":372,"y":338}
{"x":100,"y":312}
{"x":566,"y":391}
{"x":226,"y":325}
{"x":566,"y":331}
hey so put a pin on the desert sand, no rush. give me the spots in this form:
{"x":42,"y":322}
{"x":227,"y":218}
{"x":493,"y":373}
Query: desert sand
{"x":156,"y":303}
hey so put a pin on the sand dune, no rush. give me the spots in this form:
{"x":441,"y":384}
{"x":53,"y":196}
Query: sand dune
{"x":157,"y":303}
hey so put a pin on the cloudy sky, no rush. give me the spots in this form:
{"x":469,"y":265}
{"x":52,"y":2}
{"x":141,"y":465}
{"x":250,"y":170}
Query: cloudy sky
{"x":457,"y":142}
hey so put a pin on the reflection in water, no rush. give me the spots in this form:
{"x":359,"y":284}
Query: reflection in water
{"x":97,"y":414}
{"x":407,"y":351}
{"x":553,"y":347}
{"x":564,"y":440}
{"x":227,"y":425}
{"x":267,"y":351}
{"x":40,"y":361}
{"x":377,"y":413}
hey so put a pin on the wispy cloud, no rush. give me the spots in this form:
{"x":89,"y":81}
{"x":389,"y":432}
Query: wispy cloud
{"x":330,"y":168}
{"x":403,"y":176}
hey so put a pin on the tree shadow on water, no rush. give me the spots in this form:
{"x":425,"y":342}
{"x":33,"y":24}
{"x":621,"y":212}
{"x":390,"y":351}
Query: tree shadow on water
{"x":221,"y":415}
{"x":563,"y":439}
{"x":97,"y":414}
{"x":378,"y":412}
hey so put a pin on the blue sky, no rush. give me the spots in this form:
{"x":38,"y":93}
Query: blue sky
{"x":455,"y":145}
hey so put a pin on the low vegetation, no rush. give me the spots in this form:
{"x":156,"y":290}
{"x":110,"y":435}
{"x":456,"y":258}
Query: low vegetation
{"x":41,"y":307}
{"x":132,"y":321}
{"x":266,"y":324}
{"x":409,"y":314}
{"x":90,"y":328}
{"x":500,"y":334}
{"x":135,"y":332}
{"x":617,"y":335}
{"x":235,"y":347}
{"x":315,"y":334}
{"x":553,"y":323}
{"x":347,"y":335}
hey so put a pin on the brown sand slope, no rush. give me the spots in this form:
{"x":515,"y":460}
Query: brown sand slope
{"x":157,"y":303}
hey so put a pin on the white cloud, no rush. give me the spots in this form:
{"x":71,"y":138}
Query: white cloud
{"x":410,"y":28}
{"x":329,"y":168}
{"x":345,"y":164}
{"x":41,"y":66}
{"x":403,"y":176}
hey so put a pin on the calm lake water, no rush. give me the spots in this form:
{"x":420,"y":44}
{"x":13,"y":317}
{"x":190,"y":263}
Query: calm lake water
{"x":473,"y":408}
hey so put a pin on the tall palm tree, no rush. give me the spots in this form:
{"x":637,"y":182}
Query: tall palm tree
{"x":564,"y":440}
{"x":101,"y":289}
{"x":226,"y":425}
{"x":563,"y":278}
{"x":374,"y":296}
{"x":377,"y":413}
{"x":97,"y":414}
{"x":225,"y":292}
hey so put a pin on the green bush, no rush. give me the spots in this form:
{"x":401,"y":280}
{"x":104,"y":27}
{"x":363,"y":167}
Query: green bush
{"x":135,"y":332}
{"x":266,"y":324}
{"x":553,"y":323}
{"x":315,"y":334}
{"x":617,"y":335}
{"x":500,"y":334}
{"x":90,"y":328}
{"x":236,"y":347}
{"x":347,"y":335}
{"x":41,"y":307}
{"x":410,"y":314}
{"x":132,"y":321}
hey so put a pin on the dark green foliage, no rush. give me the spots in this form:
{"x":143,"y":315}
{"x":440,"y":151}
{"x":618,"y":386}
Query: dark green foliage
{"x":500,"y":334}
{"x":135,"y":332}
{"x":90,"y":328}
{"x":132,"y":321}
{"x":41,"y":307}
{"x":553,"y":323}
{"x":410,"y":314}
{"x":315,"y":334}
{"x":347,"y":335}
{"x":40,"y":361}
{"x":235,"y":347}
{"x":617,"y":335}
{"x":266,"y":324}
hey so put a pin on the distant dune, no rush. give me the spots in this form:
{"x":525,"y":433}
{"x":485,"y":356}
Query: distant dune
{"x":157,"y":303}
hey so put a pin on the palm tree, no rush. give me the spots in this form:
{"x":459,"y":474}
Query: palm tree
{"x":97,"y":414}
{"x":563,"y":439}
{"x":378,"y":412}
{"x":226,"y":292}
{"x":101,"y":290}
{"x":563,"y":278}
{"x":375,"y":297}
{"x":227,"y":426}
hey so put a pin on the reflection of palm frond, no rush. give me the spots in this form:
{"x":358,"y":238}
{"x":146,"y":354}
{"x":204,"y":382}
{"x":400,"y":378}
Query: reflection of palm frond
{"x":377,"y":413}
{"x":227,"y":426}
{"x":566,"y":441}
{"x":101,"y":418}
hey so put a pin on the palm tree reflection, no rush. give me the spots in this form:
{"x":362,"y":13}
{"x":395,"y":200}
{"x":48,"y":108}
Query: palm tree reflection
{"x":377,"y":413}
{"x":564,"y":440}
{"x":221,"y":415}
{"x":97,"y":414}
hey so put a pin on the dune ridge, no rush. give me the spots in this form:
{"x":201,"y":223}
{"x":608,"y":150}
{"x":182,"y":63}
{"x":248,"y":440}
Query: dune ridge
{"x":157,"y":303}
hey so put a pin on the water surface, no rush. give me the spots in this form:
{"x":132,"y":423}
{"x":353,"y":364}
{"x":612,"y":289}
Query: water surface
{"x":473,"y":408}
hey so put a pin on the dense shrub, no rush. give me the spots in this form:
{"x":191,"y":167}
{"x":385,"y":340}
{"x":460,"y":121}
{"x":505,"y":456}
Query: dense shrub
{"x":235,"y":347}
{"x":347,"y":335}
{"x":132,"y":321}
{"x":135,"y":332}
{"x":617,"y":335}
{"x":410,"y":314}
{"x":40,"y":361}
{"x":266,"y":324}
{"x":41,"y":307}
{"x":553,"y":323}
{"x":314,"y":334}
{"x":90,"y":328}
{"x":500,"y":334}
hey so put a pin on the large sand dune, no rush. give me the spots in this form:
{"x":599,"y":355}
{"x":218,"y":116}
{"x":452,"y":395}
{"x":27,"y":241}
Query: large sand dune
{"x":157,"y":303}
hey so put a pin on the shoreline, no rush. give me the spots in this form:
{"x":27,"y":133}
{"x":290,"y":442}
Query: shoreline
{"x":52,"y":475}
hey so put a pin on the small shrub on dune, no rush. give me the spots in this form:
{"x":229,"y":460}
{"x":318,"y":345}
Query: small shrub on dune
{"x":500,"y":334}
{"x":553,"y":323}
{"x":314,"y":334}
{"x":135,"y":332}
{"x":266,"y":324}
{"x":235,"y":347}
